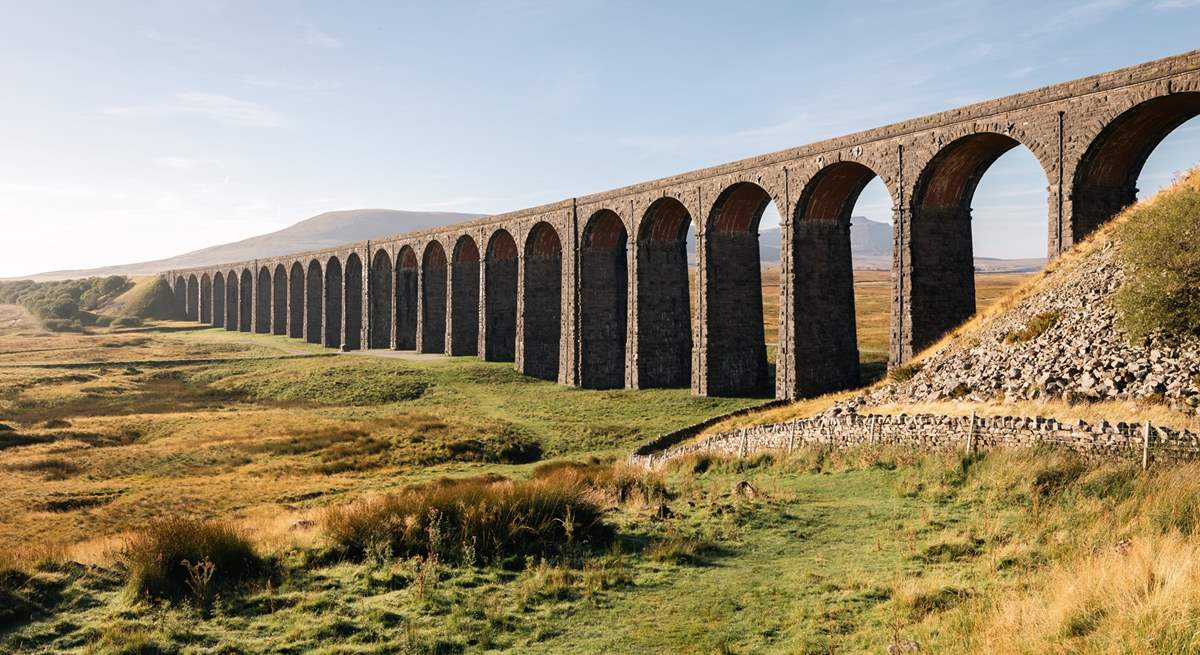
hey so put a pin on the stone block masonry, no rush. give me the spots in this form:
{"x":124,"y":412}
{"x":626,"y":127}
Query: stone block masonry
{"x":547,"y":304}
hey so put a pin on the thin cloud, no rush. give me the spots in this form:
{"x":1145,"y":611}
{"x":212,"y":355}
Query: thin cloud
{"x":181,"y":163}
{"x":315,"y":37}
{"x":220,"y":108}
{"x":308,"y":86}
{"x":1022,"y":72}
{"x":1167,"y":5}
{"x":1077,"y":16}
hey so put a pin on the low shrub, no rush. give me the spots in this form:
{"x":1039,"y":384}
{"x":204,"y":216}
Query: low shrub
{"x":1158,"y":245}
{"x":904,"y":373}
{"x":127,"y":321}
{"x":482,"y":518}
{"x":178,"y":558}
{"x":617,"y":483}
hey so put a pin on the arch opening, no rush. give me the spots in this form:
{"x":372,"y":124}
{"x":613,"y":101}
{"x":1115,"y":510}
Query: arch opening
{"x":500,"y":298}
{"x":314,"y":310}
{"x":295,"y":315}
{"x":232,"y":306}
{"x":353,"y":310}
{"x":542,"y":303}
{"x":603,"y":302}
{"x":179,"y":295}
{"x":219,"y":296}
{"x":735,"y":349}
{"x":206,"y":298}
{"x":246,"y":301}
{"x":824,"y":326}
{"x":192,"y":311}
{"x":464,"y":298}
{"x":279,"y":300}
{"x":1106,"y":179}
{"x":379,"y":294}
{"x":433,"y":299}
{"x":333,"y":303}
{"x":407,"y":292}
{"x":942,"y":238}
{"x":263,"y":293}
{"x":664,"y":323}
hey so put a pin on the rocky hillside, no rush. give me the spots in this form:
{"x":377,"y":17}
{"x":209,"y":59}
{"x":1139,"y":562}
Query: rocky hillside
{"x":1058,"y":337}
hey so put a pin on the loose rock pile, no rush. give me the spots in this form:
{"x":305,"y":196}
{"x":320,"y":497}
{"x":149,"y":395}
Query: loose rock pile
{"x":1061,"y":342}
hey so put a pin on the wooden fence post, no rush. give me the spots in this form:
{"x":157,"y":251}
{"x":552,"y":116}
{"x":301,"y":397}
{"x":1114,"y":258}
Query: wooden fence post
{"x":971,"y":435}
{"x":742,"y":452}
{"x":1146,"y":445}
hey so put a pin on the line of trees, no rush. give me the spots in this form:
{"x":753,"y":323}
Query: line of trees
{"x":66,"y":305}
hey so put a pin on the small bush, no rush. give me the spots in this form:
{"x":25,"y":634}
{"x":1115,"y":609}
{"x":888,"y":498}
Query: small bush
{"x":493,"y":519}
{"x":176,"y":558}
{"x":904,"y":373}
{"x":1160,"y":247}
{"x":1037,"y":326}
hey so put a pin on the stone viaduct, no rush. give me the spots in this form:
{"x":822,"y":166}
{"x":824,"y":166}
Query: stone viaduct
{"x":595,"y":291}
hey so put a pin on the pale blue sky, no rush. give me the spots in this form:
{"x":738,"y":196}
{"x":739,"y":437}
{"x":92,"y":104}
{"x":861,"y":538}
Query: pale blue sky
{"x":136,"y":130}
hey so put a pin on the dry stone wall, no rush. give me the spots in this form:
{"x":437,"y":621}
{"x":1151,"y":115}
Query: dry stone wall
{"x":942,"y":433}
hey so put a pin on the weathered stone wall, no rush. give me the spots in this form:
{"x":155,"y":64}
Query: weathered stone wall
{"x":603,"y":294}
{"x":736,"y":361}
{"x":934,"y":433}
{"x":543,"y":315}
{"x":664,"y":327}
{"x":464,"y":324}
{"x":433,"y":301}
{"x":500,"y":309}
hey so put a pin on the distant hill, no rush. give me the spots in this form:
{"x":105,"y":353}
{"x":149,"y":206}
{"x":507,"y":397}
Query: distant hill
{"x":321,"y":231}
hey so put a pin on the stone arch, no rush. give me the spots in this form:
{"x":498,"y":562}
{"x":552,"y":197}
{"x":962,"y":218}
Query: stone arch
{"x":1106,"y":175}
{"x":232,"y":305}
{"x":380,"y":297}
{"x":541,"y":314}
{"x":263,"y":293}
{"x":353,"y":311}
{"x":603,"y":301}
{"x":824,"y":349}
{"x":333,"y":303}
{"x":940,"y":253}
{"x":206,"y":299}
{"x":734,"y":351}
{"x":407,"y":293}
{"x":279,"y":300}
{"x":218,"y":300}
{"x":192,"y":311}
{"x":314,"y":299}
{"x":179,"y":294}
{"x":433,"y":298}
{"x":500,"y":298}
{"x":246,"y":301}
{"x":464,"y":297}
{"x":664,"y":328}
{"x":295,"y":315}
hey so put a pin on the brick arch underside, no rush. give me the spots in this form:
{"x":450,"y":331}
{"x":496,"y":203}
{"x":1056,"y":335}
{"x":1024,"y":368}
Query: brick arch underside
{"x":433,"y":299}
{"x":262,"y":301}
{"x":603,"y":302}
{"x":464,"y":298}
{"x":381,"y":296}
{"x":406,"y":290}
{"x":824,"y":332}
{"x":1105,"y":180}
{"x":941,"y":285}
{"x":542,"y":303}
{"x":500,"y":298}
{"x":664,"y":315}
{"x":735,"y":348}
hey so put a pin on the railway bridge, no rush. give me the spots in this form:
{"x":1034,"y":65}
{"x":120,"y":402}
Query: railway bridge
{"x":594,"y":291}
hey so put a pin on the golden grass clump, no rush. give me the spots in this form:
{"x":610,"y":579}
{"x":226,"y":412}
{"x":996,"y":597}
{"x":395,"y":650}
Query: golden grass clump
{"x":616,"y":483}
{"x":176,"y":558}
{"x":466,"y":520}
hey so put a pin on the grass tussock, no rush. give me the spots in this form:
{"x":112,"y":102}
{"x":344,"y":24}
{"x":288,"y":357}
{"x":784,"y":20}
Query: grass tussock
{"x":618,"y":484}
{"x":179,"y":558}
{"x":50,"y":468}
{"x":1036,"y":327}
{"x":471,"y":520}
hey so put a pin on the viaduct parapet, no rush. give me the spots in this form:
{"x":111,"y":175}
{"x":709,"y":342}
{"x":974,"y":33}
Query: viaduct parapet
{"x":595,"y":291}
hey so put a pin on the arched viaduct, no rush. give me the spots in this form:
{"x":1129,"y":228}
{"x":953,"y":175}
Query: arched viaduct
{"x":594,"y":291}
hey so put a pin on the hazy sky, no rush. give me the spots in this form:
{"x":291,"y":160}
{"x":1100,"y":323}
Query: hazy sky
{"x":137,"y":130}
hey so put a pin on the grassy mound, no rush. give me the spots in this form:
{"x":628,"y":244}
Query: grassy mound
{"x":148,"y":298}
{"x":321,"y":381}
